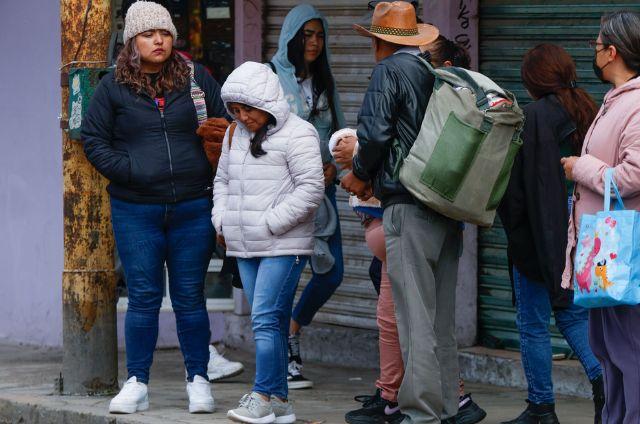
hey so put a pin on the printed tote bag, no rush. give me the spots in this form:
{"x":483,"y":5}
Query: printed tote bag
{"x":607,"y":261}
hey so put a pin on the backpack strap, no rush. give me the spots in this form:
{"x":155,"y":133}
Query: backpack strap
{"x":273,"y":67}
{"x":232,"y":129}
{"x":197,"y":95}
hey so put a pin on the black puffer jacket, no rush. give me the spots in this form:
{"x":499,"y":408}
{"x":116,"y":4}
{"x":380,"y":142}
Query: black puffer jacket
{"x":389,"y":122}
{"x":147,"y":157}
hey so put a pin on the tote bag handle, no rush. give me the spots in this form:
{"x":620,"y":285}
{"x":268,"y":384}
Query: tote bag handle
{"x":608,"y":183}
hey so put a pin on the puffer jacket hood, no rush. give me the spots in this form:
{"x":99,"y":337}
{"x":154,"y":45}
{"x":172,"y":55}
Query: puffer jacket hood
{"x":256,"y":85}
{"x":613,"y":94}
{"x":265,"y":205}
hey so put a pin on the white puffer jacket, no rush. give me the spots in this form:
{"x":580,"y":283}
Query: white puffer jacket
{"x":265,"y":206}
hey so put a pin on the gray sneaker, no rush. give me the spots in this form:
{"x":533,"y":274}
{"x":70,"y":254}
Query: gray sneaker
{"x":252,"y":409}
{"x":283,"y":410}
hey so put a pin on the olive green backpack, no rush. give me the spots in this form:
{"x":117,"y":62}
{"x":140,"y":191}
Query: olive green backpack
{"x":461,"y":161}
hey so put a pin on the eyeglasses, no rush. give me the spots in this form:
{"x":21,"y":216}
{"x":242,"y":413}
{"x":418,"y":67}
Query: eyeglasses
{"x":594,"y":44}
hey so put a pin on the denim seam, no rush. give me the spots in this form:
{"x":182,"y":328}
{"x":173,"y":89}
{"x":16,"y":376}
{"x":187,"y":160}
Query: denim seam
{"x":518,"y":281}
{"x":579,"y":353}
{"x":284,"y":394}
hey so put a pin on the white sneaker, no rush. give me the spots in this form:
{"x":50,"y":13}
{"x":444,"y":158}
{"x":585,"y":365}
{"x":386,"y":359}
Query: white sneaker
{"x":253,"y":409}
{"x":132,"y":397}
{"x":283,"y":411}
{"x":220,"y":368}
{"x":200,"y":398}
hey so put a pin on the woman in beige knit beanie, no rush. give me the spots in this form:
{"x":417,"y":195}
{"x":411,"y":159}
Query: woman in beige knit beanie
{"x":140,"y":133}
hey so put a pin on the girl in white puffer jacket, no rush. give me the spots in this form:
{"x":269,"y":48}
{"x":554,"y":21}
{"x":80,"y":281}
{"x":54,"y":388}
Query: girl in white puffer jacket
{"x":268,"y":185}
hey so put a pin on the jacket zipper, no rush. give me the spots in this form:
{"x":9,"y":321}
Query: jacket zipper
{"x":166,"y":140}
{"x":241,"y":198}
{"x":593,"y":126}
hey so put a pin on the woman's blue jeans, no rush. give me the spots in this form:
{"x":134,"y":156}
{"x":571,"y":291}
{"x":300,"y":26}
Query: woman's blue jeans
{"x":147,"y":236}
{"x":534,"y":312}
{"x":270,"y":286}
{"x":322,"y":286}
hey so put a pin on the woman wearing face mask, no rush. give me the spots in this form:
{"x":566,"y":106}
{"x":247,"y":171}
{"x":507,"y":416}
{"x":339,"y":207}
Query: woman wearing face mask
{"x":140,"y":133}
{"x":613,"y":141}
{"x":267,"y":188}
{"x":535,"y":215}
{"x":302,"y":64}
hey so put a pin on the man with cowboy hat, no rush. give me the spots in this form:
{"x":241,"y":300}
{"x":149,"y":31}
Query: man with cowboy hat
{"x":422,"y":245}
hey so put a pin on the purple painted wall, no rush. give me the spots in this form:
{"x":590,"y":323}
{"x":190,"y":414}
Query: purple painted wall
{"x":457,"y":20}
{"x":31,"y":255}
{"x":248,"y":30}
{"x":168,"y":333}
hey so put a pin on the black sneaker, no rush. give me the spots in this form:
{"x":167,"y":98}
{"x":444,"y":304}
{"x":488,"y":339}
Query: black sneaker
{"x":295,"y":379}
{"x":469,"y":412}
{"x":375,"y":410}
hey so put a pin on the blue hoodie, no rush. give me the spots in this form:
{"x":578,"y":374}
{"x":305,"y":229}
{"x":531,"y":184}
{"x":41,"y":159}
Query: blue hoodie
{"x":296,"y":18}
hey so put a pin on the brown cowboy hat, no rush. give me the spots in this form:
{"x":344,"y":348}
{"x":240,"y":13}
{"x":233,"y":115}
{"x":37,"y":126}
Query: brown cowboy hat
{"x":396,"y":23}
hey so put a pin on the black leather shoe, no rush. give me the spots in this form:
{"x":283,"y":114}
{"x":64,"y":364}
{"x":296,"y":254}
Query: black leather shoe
{"x":536,"y":414}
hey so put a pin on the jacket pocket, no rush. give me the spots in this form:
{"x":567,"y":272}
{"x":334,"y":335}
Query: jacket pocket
{"x":143,"y":172}
{"x":285,"y":188}
{"x":120,"y":173}
{"x":452,"y":157}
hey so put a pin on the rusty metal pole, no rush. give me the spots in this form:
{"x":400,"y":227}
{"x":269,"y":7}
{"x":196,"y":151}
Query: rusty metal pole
{"x":90,"y":358}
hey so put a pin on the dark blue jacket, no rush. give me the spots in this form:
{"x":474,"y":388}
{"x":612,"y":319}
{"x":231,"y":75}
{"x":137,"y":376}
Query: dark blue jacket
{"x":147,"y":157}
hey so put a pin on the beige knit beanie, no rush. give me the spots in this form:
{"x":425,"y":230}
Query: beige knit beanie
{"x":146,"y":15}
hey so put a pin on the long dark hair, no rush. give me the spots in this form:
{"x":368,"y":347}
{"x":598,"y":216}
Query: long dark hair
{"x":622,"y":30}
{"x":255,"y":145}
{"x":549,"y":69}
{"x":322,"y":78}
{"x":173,"y":76}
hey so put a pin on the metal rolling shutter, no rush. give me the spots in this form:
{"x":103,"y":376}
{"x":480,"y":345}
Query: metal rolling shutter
{"x":508,"y":28}
{"x":354,"y":303}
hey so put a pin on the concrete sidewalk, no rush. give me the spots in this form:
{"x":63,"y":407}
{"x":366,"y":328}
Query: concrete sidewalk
{"x":27,"y":375}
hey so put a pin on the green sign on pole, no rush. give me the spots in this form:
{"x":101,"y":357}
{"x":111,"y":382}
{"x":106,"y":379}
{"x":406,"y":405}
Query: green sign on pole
{"x":82,"y":84}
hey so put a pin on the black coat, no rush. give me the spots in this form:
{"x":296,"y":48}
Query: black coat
{"x":124,"y":138}
{"x":389,"y":123}
{"x":534,"y":210}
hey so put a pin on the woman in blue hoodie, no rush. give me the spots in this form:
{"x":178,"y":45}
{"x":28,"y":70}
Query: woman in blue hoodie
{"x":302,"y":64}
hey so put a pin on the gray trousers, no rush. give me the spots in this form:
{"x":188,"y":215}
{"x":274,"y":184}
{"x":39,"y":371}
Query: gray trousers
{"x":422,"y":262}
